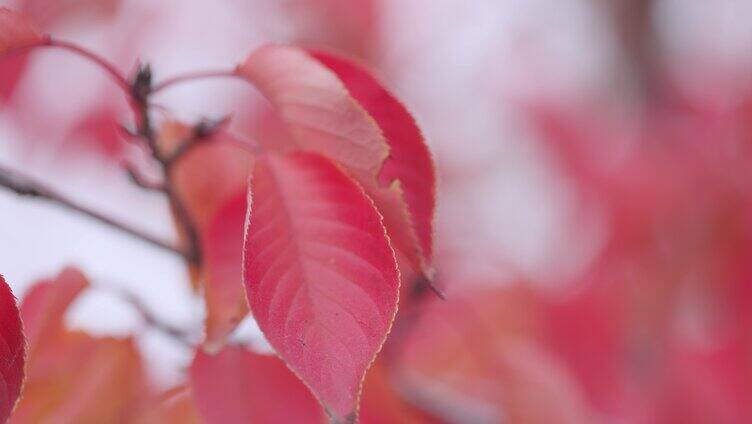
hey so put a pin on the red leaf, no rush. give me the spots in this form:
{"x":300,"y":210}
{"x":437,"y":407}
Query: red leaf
{"x":16,"y":31}
{"x":409,"y":159}
{"x":382,"y":404}
{"x":82,"y":379}
{"x":97,"y":131}
{"x":206,"y":177}
{"x":314,"y":103}
{"x":323,"y":117}
{"x":45,"y":304}
{"x":11,"y":71}
{"x":12,"y":351}
{"x":226,"y":304}
{"x":175,"y":405}
{"x":321,"y":279}
{"x":47,"y":13}
{"x":238,"y":386}
{"x":71,"y":376}
{"x":349,"y":25}
{"x":476,"y":353}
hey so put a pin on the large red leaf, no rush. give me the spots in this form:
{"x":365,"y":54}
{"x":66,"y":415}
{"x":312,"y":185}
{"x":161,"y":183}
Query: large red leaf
{"x":409,"y":159}
{"x":16,"y":31}
{"x":320,"y":275}
{"x":239,"y":386}
{"x":12,"y":351}
{"x":323,"y":117}
{"x":226,"y":304}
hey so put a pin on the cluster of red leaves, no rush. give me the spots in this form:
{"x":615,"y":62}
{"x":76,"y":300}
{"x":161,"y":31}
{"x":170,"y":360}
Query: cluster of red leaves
{"x":655,"y":330}
{"x":320,"y":267}
{"x":334,"y":229}
{"x":333,"y":218}
{"x":670,"y":292}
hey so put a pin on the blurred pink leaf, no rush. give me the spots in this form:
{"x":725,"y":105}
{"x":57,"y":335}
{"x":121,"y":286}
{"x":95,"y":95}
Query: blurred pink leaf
{"x":16,"y":31}
{"x":73,"y":377}
{"x":226,"y":304}
{"x":239,"y":386}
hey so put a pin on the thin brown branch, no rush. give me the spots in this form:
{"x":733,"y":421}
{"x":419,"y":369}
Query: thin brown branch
{"x":185,"y":221}
{"x":138,"y":91}
{"x":26,"y":186}
{"x":49,"y":42}
{"x":141,"y":90}
{"x":202,"y":132}
{"x":139,"y":180}
{"x":179,"y":335}
{"x":92,"y":57}
{"x":193,"y":76}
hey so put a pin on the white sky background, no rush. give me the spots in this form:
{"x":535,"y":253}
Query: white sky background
{"x":455,"y":63}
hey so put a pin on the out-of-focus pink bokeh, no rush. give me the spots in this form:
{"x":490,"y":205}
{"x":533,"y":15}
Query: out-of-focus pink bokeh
{"x":595,"y":153}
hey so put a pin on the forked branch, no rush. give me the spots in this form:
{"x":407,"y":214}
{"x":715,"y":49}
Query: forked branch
{"x":26,"y":186}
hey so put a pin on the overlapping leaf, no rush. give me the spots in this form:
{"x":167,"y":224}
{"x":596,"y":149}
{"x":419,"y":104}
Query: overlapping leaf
{"x":175,"y":405}
{"x":11,"y":71}
{"x":226,"y":304}
{"x":45,"y":304}
{"x":16,"y":31}
{"x":239,"y":386}
{"x":208,"y":175}
{"x":409,"y":160}
{"x":383,"y":404}
{"x":12,"y":351}
{"x":46,"y":13}
{"x":320,"y":275}
{"x":82,"y":379}
{"x":323,"y":117}
{"x":212,"y":180}
{"x":474,"y":358}
{"x":349,"y":25}
{"x":71,"y":376}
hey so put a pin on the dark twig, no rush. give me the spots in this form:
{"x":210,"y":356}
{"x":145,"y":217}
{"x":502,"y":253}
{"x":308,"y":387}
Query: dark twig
{"x":90,"y":56}
{"x":202,"y":132}
{"x":138,"y":90}
{"x":223,"y":73}
{"x":181,"y":336}
{"x":26,"y":186}
{"x":141,"y":90}
{"x":138,"y":179}
{"x":182,"y":216}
